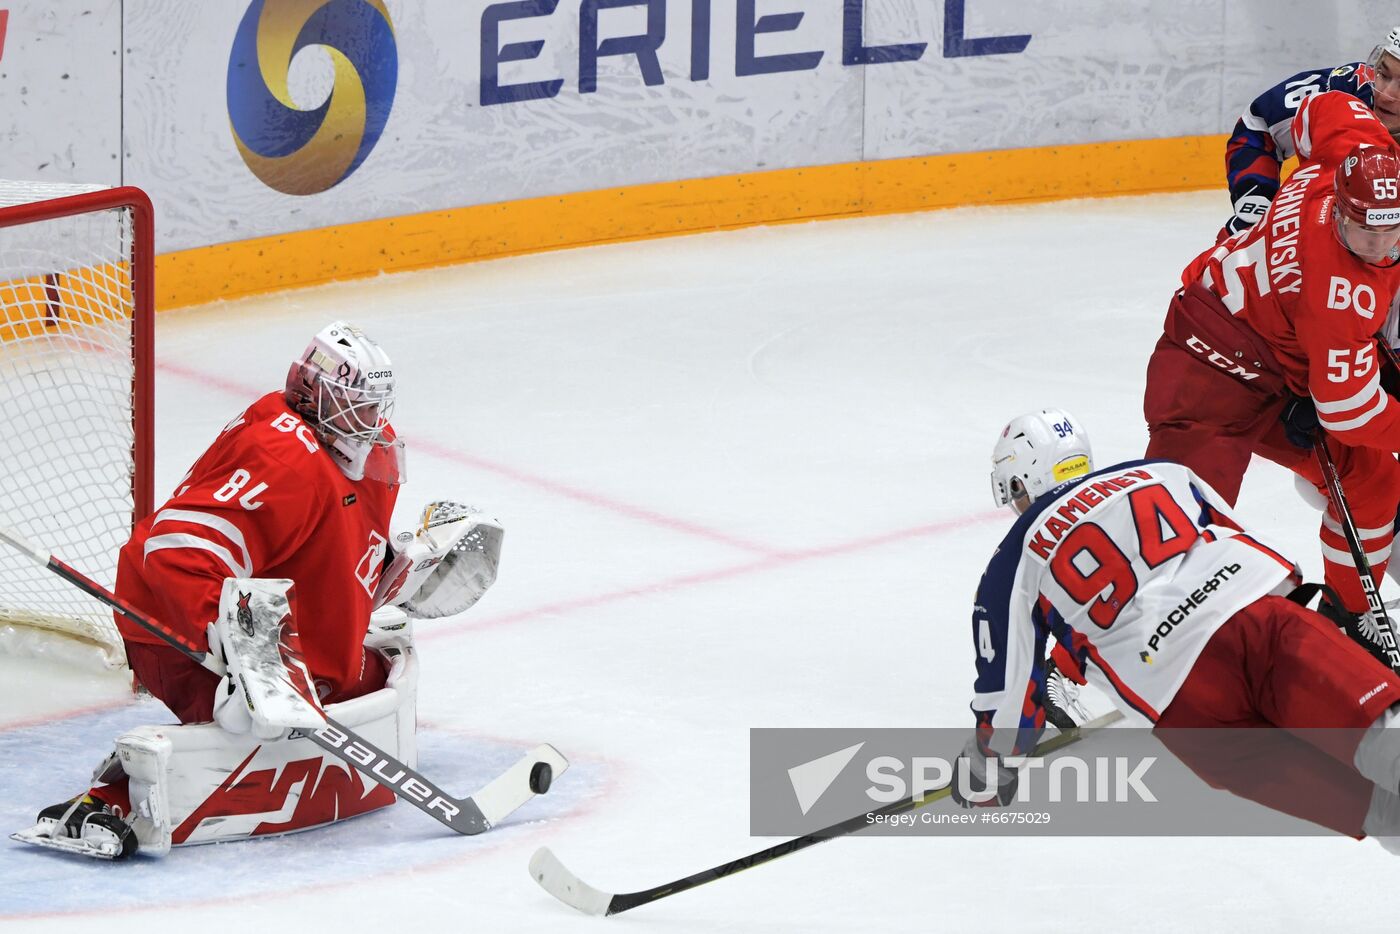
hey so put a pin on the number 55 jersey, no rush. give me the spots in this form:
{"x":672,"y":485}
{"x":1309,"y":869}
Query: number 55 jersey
{"x":1130,"y":570}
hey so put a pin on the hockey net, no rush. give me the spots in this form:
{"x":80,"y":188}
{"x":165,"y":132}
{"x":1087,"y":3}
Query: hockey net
{"x":75,"y":404}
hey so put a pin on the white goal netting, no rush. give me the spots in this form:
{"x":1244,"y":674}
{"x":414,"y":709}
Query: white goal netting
{"x":68,"y":402}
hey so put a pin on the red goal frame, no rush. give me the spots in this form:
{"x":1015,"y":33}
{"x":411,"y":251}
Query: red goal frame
{"x":143,"y":277}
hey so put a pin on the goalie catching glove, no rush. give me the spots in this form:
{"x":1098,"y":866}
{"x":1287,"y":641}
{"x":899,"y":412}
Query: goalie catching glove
{"x":445,"y":566}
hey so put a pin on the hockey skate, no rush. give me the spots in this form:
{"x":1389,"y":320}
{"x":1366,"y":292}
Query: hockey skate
{"x":1063,"y":707}
{"x":1358,"y":627}
{"x":84,"y":826}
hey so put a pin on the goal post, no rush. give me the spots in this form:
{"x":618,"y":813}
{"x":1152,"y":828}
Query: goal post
{"x":76,"y":403}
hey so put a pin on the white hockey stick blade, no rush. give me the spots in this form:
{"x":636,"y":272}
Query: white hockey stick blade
{"x":556,"y":879}
{"x":512,"y":788}
{"x":16,"y":541}
{"x":39,"y":836}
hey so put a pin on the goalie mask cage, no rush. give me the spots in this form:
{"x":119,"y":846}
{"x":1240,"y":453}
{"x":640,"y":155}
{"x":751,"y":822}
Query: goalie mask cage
{"x":76,"y":412}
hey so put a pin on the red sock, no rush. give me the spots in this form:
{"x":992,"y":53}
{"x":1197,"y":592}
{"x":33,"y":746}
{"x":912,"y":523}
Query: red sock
{"x":116,"y":796}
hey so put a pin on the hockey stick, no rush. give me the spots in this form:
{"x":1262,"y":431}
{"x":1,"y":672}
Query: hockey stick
{"x":1385,"y":628}
{"x":473,"y":814}
{"x":558,"y":881}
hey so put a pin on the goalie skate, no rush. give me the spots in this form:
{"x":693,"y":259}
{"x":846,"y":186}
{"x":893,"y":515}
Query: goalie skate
{"x":83,"y":826}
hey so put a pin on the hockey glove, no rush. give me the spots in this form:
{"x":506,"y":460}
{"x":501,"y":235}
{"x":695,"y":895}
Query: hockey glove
{"x":1249,"y":210}
{"x":444,"y":567}
{"x":971,"y":787}
{"x":1300,"y":421}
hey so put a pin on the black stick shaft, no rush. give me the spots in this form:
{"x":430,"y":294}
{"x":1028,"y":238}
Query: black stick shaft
{"x":629,"y":900}
{"x":1384,"y":625}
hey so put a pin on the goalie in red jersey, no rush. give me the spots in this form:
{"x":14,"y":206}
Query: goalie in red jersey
{"x":1273,"y":335}
{"x":301,"y":486}
{"x":289,"y":507}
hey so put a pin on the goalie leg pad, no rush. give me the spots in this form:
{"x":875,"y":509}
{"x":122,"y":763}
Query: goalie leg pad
{"x":198,"y":783}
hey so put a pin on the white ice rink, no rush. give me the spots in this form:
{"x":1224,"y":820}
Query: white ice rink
{"x":744,"y":482}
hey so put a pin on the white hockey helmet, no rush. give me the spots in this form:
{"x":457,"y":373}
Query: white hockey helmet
{"x":1390,"y":45}
{"x":343,"y":386}
{"x":1036,"y":453}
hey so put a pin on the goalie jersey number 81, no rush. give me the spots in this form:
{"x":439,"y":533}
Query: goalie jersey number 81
{"x":1131,"y":570}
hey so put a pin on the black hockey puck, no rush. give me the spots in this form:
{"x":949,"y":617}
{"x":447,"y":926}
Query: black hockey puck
{"x":540,"y":777}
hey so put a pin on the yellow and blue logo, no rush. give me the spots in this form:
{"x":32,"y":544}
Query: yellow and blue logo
{"x":303,"y":152}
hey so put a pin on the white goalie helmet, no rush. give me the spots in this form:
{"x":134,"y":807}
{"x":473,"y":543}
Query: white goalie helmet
{"x":343,"y":386}
{"x":1037,"y":452}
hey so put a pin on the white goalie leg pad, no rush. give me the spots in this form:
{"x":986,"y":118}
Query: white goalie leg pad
{"x":198,"y":783}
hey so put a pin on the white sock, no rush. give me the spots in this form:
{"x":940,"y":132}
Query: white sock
{"x":1378,"y":754}
{"x":1382,"y":821}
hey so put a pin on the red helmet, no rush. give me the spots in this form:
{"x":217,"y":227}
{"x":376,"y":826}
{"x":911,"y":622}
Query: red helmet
{"x":1368,"y":186}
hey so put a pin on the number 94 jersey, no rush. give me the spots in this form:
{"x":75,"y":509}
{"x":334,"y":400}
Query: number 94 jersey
{"x":1131,"y":571}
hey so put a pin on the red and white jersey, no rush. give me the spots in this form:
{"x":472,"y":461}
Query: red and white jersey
{"x":1131,"y":571}
{"x":266,"y":500}
{"x":1314,"y":302}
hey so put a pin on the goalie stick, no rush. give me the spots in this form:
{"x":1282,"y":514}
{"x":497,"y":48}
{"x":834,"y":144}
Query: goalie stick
{"x":557,"y":880}
{"x":471,"y":815}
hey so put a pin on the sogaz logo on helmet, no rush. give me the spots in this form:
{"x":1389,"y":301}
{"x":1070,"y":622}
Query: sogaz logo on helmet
{"x":306,"y":150}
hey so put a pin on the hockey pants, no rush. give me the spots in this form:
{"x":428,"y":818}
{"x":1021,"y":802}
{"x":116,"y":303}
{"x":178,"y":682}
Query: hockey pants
{"x":1276,"y":664}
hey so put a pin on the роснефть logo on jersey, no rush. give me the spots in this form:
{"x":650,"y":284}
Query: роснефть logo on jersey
{"x":303,"y":152}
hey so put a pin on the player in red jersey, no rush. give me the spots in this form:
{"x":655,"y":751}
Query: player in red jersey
{"x":1280,"y":319}
{"x":301,"y":487}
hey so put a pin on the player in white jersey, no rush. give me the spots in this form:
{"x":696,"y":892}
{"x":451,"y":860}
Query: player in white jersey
{"x":1142,"y":580}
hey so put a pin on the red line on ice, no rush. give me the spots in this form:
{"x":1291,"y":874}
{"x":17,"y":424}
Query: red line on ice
{"x":40,"y":719}
{"x":584,"y":496}
{"x":442,"y":452}
{"x":697,"y":578}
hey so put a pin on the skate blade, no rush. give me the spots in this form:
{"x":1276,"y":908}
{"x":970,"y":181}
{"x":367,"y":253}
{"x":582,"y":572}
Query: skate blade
{"x":38,"y":835}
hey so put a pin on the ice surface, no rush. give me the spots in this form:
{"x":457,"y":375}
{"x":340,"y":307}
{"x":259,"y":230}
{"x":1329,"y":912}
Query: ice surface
{"x":743,"y":478}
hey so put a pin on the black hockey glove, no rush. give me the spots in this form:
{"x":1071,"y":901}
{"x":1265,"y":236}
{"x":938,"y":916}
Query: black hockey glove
{"x":1300,"y":422}
{"x":970,"y":772}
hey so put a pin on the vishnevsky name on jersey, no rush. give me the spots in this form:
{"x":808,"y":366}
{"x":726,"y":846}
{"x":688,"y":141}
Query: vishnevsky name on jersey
{"x":1285,"y":271}
{"x":1090,"y":495}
